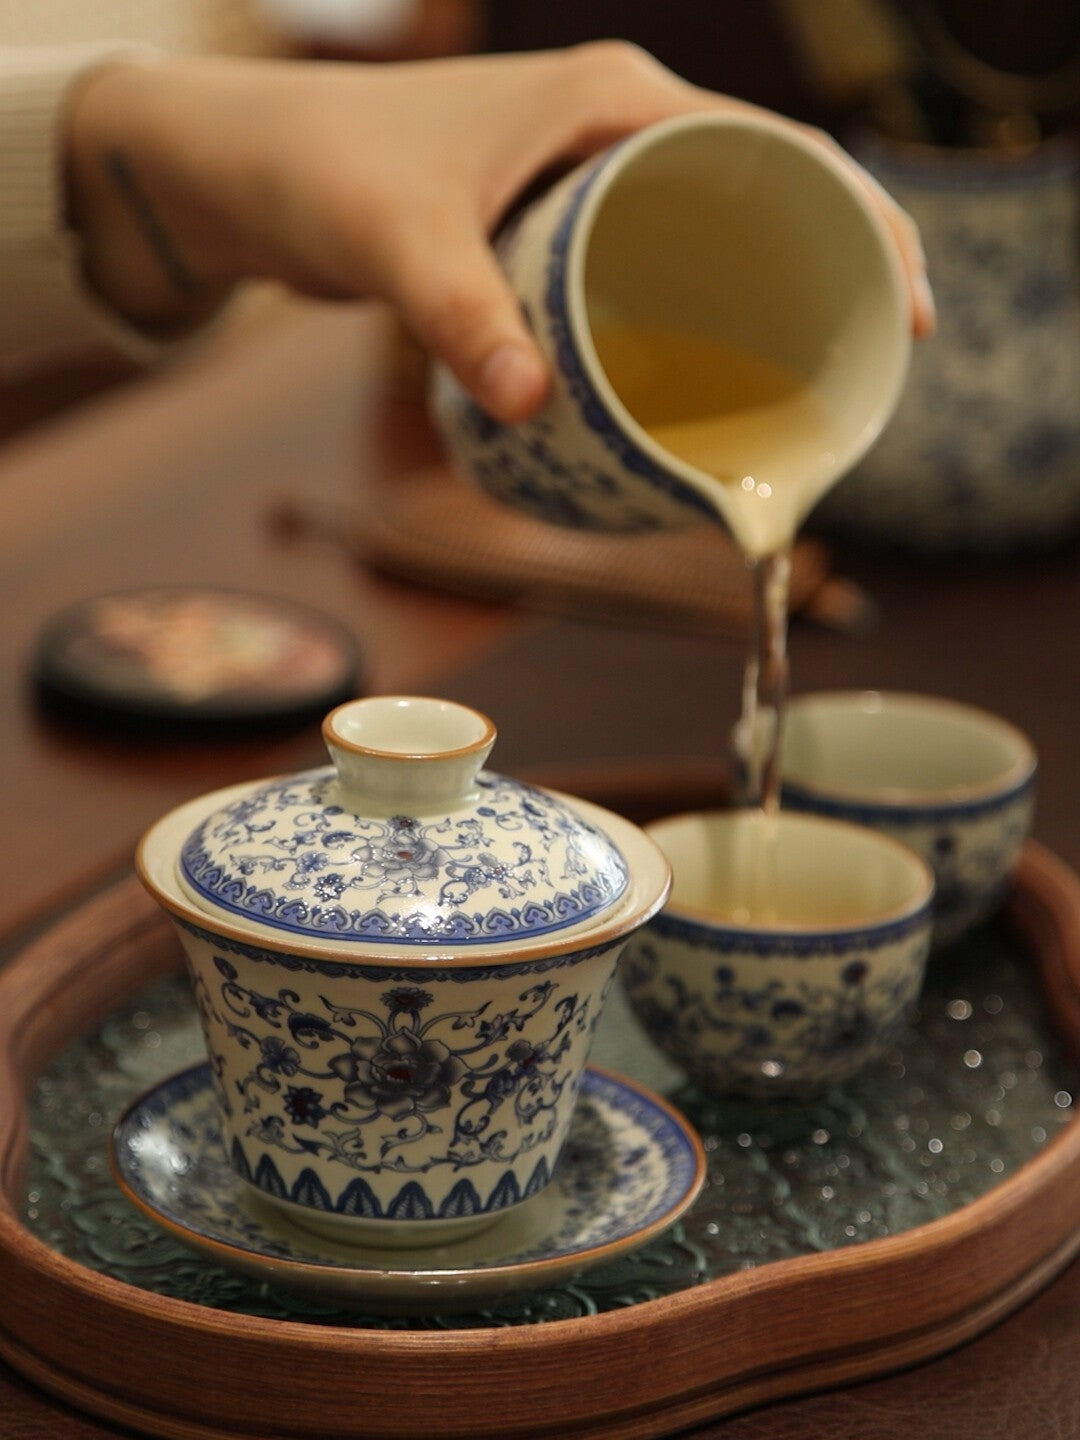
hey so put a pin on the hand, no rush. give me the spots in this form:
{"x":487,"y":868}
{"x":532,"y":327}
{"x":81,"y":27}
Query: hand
{"x":347,"y":181}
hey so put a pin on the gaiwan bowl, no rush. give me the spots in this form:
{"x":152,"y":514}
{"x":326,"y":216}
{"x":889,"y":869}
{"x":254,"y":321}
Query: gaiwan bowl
{"x":789,"y":955}
{"x":399,"y":962}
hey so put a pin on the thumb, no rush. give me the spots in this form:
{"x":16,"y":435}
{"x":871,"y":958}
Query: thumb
{"x":455,"y":299}
{"x":512,"y":381}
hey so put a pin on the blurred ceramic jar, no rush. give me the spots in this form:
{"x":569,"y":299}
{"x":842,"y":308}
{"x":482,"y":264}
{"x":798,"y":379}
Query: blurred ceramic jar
{"x":983,"y":453}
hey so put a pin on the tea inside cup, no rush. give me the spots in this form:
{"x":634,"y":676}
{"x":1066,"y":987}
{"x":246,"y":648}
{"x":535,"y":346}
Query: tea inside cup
{"x":789,"y":952}
{"x":785,"y":873}
{"x":747,"y":346}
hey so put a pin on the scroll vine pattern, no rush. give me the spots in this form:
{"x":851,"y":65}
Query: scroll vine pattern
{"x":810,"y":1024}
{"x":520,"y":865}
{"x":360,"y":1086}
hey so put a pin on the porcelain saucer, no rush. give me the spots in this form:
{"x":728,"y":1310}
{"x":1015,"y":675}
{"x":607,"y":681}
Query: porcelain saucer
{"x":631,"y":1165}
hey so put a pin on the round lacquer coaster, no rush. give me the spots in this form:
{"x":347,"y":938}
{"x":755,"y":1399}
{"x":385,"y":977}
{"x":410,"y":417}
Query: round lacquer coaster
{"x":191,"y":658}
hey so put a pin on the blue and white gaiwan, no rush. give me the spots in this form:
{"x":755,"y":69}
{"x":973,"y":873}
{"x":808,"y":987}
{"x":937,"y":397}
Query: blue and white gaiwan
{"x":399,"y":962}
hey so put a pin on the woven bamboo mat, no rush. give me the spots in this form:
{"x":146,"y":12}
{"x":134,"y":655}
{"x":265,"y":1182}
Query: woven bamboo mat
{"x":435,"y":529}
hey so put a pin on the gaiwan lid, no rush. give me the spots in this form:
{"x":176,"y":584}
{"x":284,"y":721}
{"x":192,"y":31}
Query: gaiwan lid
{"x":404,"y":840}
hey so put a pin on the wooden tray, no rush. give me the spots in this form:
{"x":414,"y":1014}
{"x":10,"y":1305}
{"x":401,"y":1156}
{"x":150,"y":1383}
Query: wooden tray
{"x":176,"y":1369}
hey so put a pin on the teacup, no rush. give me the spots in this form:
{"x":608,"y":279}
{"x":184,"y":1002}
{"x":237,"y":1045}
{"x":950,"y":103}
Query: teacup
{"x":789,"y":954}
{"x":728,"y":325}
{"x":953,"y":781}
{"x":399,"y":962}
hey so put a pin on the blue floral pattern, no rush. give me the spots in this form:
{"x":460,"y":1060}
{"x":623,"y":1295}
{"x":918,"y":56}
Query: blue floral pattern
{"x":609,"y":482}
{"x":971,"y":846}
{"x":428,"y":1100}
{"x":518,"y":863}
{"x":983,"y":454}
{"x":630,"y":1166}
{"x":752,"y":1015}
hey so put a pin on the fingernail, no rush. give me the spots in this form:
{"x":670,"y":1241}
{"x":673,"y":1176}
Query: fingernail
{"x":511,"y":383}
{"x":925,"y":303}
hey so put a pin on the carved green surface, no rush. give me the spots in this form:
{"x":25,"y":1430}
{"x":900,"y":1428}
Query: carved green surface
{"x":974,"y":1089}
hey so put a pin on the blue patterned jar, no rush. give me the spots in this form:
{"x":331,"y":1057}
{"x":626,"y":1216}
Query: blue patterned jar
{"x":983,"y":454}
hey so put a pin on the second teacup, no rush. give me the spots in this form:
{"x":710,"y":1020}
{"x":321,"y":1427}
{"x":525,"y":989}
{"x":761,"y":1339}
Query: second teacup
{"x":954,"y":782}
{"x":788,"y":955}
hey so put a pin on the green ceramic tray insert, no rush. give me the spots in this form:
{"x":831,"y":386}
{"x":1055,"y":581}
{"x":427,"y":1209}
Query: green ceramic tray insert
{"x":974,"y":1088}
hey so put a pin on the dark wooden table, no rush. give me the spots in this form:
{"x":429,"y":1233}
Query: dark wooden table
{"x":175,"y":478}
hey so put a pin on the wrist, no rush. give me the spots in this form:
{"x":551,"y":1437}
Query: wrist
{"x":124,"y":200}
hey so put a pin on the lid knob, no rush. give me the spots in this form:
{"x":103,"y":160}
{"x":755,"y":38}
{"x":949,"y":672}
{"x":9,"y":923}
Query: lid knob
{"x":406,"y":752}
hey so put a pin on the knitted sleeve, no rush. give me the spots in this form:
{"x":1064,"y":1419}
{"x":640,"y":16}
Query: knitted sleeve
{"x":46,"y":314}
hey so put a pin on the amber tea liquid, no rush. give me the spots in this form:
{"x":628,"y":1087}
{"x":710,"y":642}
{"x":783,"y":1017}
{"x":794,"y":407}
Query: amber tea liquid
{"x":755,"y":426}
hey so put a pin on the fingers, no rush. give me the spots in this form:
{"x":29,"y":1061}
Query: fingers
{"x":511,"y":383}
{"x":449,"y":289}
{"x":905,"y":233}
{"x":608,"y":88}
{"x":909,"y":243}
